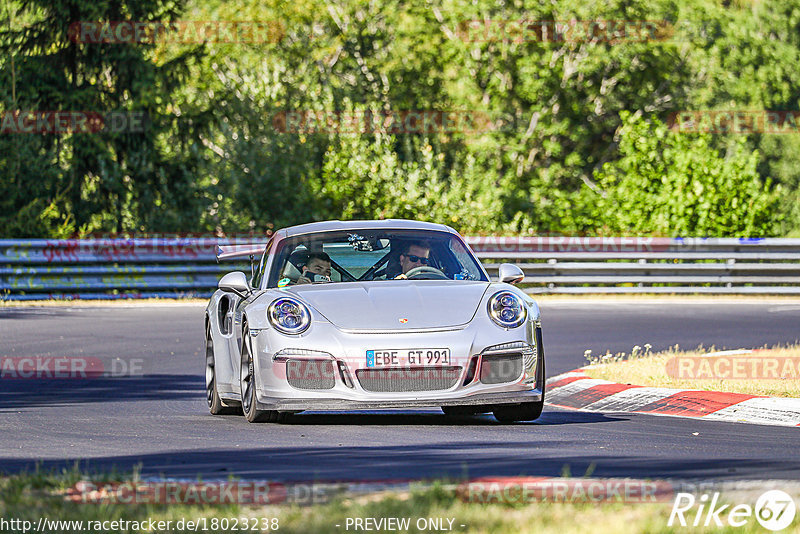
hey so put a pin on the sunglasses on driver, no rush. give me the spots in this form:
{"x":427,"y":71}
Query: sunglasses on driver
{"x":416,"y":259}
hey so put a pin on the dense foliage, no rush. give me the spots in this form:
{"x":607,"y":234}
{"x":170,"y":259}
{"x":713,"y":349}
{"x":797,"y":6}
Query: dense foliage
{"x":573,"y":134}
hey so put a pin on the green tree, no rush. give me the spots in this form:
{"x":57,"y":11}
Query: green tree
{"x":674,"y":184}
{"x":111,"y":181}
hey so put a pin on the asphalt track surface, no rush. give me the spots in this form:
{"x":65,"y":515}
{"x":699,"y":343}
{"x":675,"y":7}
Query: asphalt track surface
{"x":159,"y":421}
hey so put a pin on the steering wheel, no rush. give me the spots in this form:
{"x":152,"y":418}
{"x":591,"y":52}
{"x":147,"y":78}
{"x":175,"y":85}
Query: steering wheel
{"x":426,"y":272}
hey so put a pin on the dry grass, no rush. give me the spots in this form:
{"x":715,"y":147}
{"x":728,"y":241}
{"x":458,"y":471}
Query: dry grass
{"x":31,"y":496}
{"x":641,"y":367}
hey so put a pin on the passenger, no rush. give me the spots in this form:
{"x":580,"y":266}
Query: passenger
{"x":316,"y":269}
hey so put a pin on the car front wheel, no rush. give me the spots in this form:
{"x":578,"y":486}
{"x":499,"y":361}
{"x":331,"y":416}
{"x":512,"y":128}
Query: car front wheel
{"x":527,"y":411}
{"x":248,"y":388}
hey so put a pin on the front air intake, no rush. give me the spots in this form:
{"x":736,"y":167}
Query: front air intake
{"x":310,"y":374}
{"x":408,"y":379}
{"x":500,"y":368}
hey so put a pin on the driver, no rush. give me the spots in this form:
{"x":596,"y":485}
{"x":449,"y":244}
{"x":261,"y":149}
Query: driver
{"x":415,"y":254}
{"x":319,"y":263}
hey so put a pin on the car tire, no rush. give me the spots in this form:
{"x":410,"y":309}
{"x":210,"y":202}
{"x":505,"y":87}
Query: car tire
{"x":215,"y":404}
{"x":527,"y":411}
{"x":247,"y":381}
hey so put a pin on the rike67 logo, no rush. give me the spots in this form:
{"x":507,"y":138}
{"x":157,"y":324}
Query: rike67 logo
{"x":774,"y":510}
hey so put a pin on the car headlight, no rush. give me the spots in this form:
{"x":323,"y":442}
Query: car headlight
{"x":289,"y":316}
{"x":507,"y":310}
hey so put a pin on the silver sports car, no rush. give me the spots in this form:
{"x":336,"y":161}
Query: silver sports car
{"x":370,"y":315}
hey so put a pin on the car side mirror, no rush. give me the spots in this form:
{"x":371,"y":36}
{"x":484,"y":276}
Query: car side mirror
{"x":235,"y":282}
{"x":511,"y":274}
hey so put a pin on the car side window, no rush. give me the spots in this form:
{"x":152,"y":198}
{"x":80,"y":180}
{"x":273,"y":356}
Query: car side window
{"x":259,"y":276}
{"x":469,"y":270}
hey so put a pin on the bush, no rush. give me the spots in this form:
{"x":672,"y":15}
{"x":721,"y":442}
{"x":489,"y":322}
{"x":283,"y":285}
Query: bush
{"x":673,"y":184}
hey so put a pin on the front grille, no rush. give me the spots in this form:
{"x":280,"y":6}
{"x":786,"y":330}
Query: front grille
{"x":310,"y":374}
{"x":408,"y":379}
{"x":499,"y":368}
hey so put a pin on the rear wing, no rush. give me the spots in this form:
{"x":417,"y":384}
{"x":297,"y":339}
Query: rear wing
{"x":235,"y":252}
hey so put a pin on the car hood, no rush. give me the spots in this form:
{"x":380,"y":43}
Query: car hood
{"x":396,"y":304}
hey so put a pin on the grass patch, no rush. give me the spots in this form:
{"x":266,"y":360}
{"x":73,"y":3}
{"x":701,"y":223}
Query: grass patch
{"x":27,"y":497}
{"x":760,"y":372}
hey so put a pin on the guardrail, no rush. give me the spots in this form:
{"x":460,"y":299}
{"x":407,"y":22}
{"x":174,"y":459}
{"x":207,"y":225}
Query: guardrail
{"x":171,"y":267}
{"x":186,"y":267}
{"x":648,"y":264}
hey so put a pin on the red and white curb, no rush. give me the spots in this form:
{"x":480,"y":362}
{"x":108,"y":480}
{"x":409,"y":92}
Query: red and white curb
{"x":577,"y":390}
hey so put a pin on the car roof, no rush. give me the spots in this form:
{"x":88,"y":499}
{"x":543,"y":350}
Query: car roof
{"x":385,"y":224}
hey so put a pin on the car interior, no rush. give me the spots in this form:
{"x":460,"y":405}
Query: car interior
{"x":356,"y":258}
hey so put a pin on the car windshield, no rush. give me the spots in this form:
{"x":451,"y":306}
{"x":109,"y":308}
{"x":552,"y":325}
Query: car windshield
{"x":367,"y":255}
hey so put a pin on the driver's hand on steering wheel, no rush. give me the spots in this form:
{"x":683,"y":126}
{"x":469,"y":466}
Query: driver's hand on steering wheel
{"x":401,"y":276}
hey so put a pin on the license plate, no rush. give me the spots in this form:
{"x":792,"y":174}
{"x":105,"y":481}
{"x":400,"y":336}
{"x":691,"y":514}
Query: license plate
{"x":407,"y":357}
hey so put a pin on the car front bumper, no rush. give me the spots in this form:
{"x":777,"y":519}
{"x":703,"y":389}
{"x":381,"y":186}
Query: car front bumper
{"x":275,"y":393}
{"x":486,"y":399}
